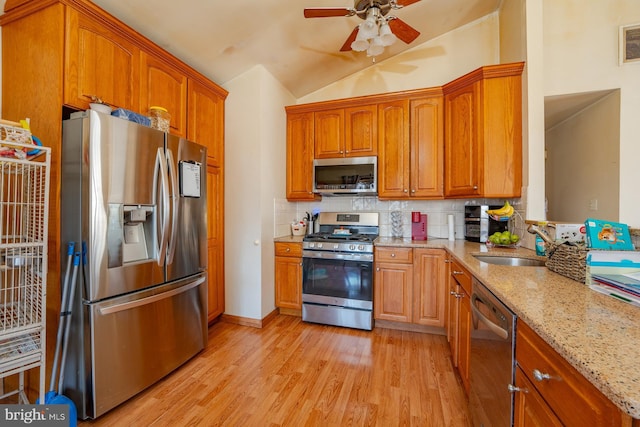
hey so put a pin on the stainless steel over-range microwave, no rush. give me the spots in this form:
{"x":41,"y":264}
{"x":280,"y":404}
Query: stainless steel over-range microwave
{"x":346,"y":176}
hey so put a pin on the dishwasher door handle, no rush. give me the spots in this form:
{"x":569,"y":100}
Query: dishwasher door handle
{"x":502,"y":333}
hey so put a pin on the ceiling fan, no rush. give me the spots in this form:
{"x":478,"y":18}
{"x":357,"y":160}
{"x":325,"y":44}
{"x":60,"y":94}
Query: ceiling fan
{"x":378,"y":29}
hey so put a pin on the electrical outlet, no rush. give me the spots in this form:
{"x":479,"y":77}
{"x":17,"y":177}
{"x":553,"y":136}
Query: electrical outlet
{"x":593,"y":204}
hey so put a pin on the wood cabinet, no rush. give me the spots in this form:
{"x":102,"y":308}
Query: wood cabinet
{"x":393,"y":284}
{"x":409,"y":285}
{"x":410,"y":163}
{"x":99,"y":61}
{"x":164,"y":86}
{"x":393,"y":149}
{"x":559,"y":390}
{"x":288,"y":275}
{"x":205,"y":121}
{"x":300,"y":141}
{"x":530,"y":408}
{"x":346,"y":132}
{"x":459,"y":319}
{"x":483,"y":133}
{"x":215,"y":242}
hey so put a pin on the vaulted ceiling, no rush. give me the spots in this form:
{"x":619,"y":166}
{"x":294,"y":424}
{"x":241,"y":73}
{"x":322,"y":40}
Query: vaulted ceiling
{"x":223,"y":39}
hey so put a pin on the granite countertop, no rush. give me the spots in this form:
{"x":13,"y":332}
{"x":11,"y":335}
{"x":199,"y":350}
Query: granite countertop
{"x":596,"y":334}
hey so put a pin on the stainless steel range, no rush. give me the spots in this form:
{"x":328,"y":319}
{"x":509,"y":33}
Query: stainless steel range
{"x":337,"y":266}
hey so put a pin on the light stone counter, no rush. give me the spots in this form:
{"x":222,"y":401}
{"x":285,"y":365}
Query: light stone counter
{"x":597,"y":334}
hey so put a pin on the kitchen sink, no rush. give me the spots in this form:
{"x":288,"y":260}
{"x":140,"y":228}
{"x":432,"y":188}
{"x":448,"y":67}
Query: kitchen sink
{"x":510,"y":260}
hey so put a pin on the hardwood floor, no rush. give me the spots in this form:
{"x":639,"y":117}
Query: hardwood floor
{"x":291,"y":373}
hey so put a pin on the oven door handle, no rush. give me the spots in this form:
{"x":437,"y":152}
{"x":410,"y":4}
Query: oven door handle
{"x":476,"y":315}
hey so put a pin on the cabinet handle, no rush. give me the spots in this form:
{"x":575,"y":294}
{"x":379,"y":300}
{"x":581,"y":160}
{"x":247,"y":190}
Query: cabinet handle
{"x":287,"y":250}
{"x":513,"y":389}
{"x":456,"y":272}
{"x":447,"y":261}
{"x":539,"y":376}
{"x":456,"y":294}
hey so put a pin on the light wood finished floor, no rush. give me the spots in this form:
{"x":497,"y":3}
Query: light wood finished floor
{"x":291,"y":373}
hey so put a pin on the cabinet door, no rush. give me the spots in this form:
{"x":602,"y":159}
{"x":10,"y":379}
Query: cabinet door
{"x":393,"y":149}
{"x":464,"y":341}
{"x":300,"y":156}
{"x":288,"y":282}
{"x":393,"y":283}
{"x":453,"y":326}
{"x":329,"y":133}
{"x":361,"y":131}
{"x":164,"y":86}
{"x":99,"y":62}
{"x":530,"y":408}
{"x":429,"y":287}
{"x":215,"y":241}
{"x":206,"y":120}
{"x":427,"y":148}
{"x":461,"y":143}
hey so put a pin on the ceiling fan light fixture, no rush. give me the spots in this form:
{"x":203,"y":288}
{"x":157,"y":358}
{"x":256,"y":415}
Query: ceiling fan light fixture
{"x":386,"y":35}
{"x":375,"y":47}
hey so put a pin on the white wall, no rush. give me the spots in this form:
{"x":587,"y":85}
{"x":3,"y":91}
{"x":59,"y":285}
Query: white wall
{"x":581,"y":55}
{"x":254,"y":165}
{"x":583,"y":163}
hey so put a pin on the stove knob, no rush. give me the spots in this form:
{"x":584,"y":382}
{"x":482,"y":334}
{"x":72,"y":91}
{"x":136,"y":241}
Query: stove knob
{"x":312,"y":245}
{"x":361,"y":247}
{"x":352,"y":247}
{"x":319,"y":245}
{"x":336,"y":246}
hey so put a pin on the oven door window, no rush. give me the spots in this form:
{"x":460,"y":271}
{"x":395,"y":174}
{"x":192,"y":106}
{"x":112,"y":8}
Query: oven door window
{"x":338,"y":278}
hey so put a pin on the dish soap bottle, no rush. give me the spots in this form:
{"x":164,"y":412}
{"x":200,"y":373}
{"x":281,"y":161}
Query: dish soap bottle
{"x":540,"y":248}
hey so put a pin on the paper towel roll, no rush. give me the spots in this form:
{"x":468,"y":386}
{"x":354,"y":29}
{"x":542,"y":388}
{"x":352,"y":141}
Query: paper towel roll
{"x":452,"y":232}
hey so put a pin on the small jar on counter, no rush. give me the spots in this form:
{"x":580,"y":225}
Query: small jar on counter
{"x":160,"y":118}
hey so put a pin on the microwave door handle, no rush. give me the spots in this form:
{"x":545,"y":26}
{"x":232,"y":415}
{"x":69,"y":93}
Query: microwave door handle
{"x":174,"y":205}
{"x":162,"y":229}
{"x":476,"y":315}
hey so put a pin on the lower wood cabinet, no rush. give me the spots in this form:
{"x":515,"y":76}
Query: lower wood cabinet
{"x":288,"y":275}
{"x":409,"y":285}
{"x":459,"y":318}
{"x":552,"y":392}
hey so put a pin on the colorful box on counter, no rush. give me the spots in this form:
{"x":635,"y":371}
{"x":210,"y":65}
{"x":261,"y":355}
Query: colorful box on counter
{"x":570,"y":232}
{"x":612,"y":263}
{"x":608,"y":235}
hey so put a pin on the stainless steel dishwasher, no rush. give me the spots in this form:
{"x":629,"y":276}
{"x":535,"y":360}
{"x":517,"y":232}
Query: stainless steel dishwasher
{"x":491,"y":359}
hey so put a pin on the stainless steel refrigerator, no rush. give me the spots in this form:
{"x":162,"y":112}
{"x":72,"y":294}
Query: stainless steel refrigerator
{"x":135,"y":198}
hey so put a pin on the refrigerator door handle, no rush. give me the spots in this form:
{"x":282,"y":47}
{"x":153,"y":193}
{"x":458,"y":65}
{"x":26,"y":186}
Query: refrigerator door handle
{"x":161,"y":171}
{"x":149,"y":300}
{"x":173,"y":175}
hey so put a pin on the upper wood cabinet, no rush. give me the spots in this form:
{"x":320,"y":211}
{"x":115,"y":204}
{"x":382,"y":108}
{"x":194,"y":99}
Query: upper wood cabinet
{"x":300,"y":156}
{"x":206,"y":120}
{"x":393,"y":149}
{"x":411,"y":148}
{"x":100,"y":62}
{"x":164,"y":86}
{"x":483,"y":133}
{"x":346,"y":132}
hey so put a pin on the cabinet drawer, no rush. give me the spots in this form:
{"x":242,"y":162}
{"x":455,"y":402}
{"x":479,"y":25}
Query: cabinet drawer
{"x":570,"y":395}
{"x":387,"y":254}
{"x":461,"y":275}
{"x":288,"y":249}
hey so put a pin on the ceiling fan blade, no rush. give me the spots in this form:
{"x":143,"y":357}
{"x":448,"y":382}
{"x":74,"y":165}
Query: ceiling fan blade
{"x":328,"y":12}
{"x":406,"y":2}
{"x":403,"y":31}
{"x":347,"y":44}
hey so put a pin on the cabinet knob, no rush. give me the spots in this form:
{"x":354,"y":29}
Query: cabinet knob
{"x":539,"y":376}
{"x":347,"y":151}
{"x":341,"y":152}
{"x":377,"y":268}
{"x":393,"y":255}
{"x":456,"y":272}
{"x":513,"y":389}
{"x":287,"y":250}
{"x":413,"y":191}
{"x":447,"y":261}
{"x":475,"y":187}
{"x":406,"y":191}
